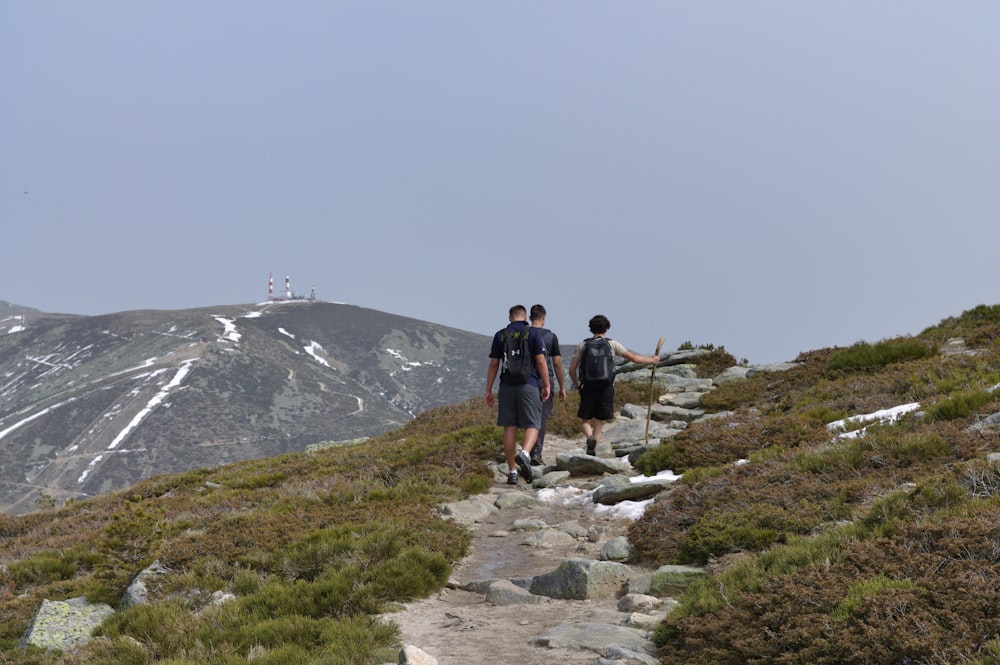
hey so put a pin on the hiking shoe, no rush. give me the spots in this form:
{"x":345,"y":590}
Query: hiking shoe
{"x":592,"y":447}
{"x":536,"y":460}
{"x":512,"y":477}
{"x":524,"y":464}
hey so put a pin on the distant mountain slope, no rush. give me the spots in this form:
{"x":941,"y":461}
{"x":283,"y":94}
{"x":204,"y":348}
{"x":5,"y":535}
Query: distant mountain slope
{"x":93,"y":404}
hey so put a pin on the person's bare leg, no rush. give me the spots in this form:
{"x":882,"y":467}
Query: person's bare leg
{"x":591,"y":428}
{"x":509,"y":446}
{"x":598,"y":426}
{"x":530,"y":436}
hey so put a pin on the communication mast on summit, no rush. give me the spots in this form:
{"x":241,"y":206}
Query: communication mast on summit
{"x":288,"y":291}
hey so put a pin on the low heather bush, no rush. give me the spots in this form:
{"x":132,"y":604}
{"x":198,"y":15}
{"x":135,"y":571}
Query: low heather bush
{"x":865,"y":356}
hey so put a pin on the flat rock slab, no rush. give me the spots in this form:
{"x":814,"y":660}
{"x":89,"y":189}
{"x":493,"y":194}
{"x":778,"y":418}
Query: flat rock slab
{"x":579,"y":464}
{"x":63,"y":624}
{"x":596,"y":637}
{"x":469,"y":511}
{"x":609,"y":495}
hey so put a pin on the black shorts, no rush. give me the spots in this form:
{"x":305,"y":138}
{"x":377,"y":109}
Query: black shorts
{"x":598,"y":402}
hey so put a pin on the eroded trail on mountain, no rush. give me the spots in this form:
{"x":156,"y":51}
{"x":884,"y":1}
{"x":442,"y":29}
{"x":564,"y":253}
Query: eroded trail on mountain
{"x":458,"y":626}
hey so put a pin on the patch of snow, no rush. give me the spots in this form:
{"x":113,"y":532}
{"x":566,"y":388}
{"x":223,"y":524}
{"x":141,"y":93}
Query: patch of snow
{"x":881,"y":416}
{"x":90,"y":467}
{"x":629,"y":510}
{"x":229,"y":331}
{"x":154,"y":401}
{"x":669,"y":475}
{"x":407,"y":364}
{"x":285,"y":332}
{"x":566,"y":496}
{"x":27,"y":420}
{"x":574,"y":496}
{"x":312,"y":350}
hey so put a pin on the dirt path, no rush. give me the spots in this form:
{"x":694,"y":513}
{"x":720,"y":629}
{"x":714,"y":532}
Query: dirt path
{"x":459,"y":627}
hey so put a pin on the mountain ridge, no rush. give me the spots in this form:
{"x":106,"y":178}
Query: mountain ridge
{"x":91,"y":404}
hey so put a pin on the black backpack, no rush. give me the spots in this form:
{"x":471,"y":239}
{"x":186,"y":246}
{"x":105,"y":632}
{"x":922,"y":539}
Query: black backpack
{"x":517,"y":362}
{"x":597,"y":367}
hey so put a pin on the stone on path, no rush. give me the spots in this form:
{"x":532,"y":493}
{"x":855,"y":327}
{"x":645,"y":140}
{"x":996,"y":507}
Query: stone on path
{"x":596,"y":637}
{"x":411,"y":655}
{"x":582,"y":579}
{"x":609,"y":495}
{"x":580,"y":464}
{"x":469,"y":511}
{"x":505,"y":592}
{"x":550,"y":479}
{"x":616,"y":549}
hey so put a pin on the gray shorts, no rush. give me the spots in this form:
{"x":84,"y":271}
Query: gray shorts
{"x":519,"y":406}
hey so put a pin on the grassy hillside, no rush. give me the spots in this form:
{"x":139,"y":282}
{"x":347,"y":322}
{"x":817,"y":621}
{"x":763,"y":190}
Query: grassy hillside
{"x":877,"y":547}
{"x":313,"y":545}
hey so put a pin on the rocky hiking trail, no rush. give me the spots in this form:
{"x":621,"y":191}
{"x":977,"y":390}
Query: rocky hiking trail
{"x":544,"y":581}
{"x":534,"y":588}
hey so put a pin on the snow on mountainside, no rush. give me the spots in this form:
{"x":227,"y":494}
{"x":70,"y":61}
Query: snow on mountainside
{"x":93,"y":404}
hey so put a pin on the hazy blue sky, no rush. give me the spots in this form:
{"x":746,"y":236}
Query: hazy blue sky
{"x":773,"y":177}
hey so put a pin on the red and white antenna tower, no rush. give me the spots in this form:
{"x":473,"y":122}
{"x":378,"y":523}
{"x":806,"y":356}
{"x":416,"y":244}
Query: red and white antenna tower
{"x":270,"y":286}
{"x":288,"y":287}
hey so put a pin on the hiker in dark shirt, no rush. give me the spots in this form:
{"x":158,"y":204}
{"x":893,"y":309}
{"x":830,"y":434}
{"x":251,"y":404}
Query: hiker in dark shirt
{"x":553,"y":359}
{"x":597,"y":399}
{"x":520,"y":404}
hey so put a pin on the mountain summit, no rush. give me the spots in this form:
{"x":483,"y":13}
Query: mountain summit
{"x":90,"y":405}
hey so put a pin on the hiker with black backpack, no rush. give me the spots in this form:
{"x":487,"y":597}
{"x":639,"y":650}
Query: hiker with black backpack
{"x":592,"y":372}
{"x":518,"y":356}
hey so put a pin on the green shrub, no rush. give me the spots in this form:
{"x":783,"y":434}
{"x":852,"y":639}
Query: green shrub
{"x":165,"y":628}
{"x":734,"y":395}
{"x":42,"y":568}
{"x":117,"y":651}
{"x":867,"y":588}
{"x":713,"y":363}
{"x":972,"y":322}
{"x":717,"y":533}
{"x":959,"y":405}
{"x":865,"y":356}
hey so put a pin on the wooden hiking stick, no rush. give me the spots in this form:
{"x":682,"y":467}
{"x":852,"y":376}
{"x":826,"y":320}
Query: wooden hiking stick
{"x":649,"y":411}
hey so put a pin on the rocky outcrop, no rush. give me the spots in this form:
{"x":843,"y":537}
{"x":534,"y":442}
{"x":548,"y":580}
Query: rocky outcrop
{"x":137,"y":592}
{"x":64,"y":624}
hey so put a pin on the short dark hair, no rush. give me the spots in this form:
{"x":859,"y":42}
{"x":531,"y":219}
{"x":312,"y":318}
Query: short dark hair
{"x":537,"y":312}
{"x":599,"y":324}
{"x":518,"y":310}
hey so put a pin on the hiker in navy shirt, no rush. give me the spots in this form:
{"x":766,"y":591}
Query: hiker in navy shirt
{"x":520,"y":399}
{"x":553,"y":358}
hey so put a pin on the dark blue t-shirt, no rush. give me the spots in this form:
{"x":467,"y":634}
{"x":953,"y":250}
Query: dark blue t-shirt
{"x":535,"y":344}
{"x":551,"y":349}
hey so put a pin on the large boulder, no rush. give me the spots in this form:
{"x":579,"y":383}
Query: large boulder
{"x":579,"y":464}
{"x":582,"y":579}
{"x":64,"y":624}
{"x":609,"y":495}
{"x":469,"y":511}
